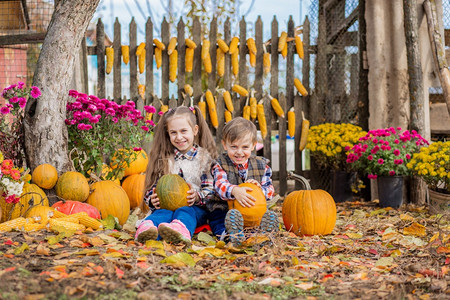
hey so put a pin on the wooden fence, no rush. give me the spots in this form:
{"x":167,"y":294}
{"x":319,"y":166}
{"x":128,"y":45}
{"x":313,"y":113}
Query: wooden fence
{"x":287,"y":100}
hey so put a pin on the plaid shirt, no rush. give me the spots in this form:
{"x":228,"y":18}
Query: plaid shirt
{"x":223,"y":187}
{"x":206,"y":188}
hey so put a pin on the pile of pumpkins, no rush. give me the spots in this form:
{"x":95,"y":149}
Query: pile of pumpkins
{"x":97,"y":200}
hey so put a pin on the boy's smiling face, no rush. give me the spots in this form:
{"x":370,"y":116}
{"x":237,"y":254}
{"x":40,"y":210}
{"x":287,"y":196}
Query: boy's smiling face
{"x":239,"y":150}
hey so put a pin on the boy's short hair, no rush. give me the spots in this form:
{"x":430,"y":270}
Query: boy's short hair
{"x":239,"y":128}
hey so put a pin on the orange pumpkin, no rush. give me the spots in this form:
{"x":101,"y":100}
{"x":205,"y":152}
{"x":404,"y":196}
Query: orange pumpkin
{"x":45,"y":176}
{"x":252,"y":215}
{"x":137,"y":161}
{"x":134,"y":187}
{"x":172,"y":192}
{"x":309,"y":212}
{"x":72,"y":186}
{"x":110,"y":199}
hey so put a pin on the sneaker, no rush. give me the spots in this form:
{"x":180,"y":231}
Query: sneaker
{"x":234,"y":223}
{"x":269,"y":222}
{"x":175,"y":232}
{"x":146,"y":231}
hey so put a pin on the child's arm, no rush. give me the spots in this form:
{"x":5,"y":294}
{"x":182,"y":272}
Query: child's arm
{"x":228,"y":191}
{"x":151,"y":198}
{"x":206,"y":191}
{"x":266,"y":183}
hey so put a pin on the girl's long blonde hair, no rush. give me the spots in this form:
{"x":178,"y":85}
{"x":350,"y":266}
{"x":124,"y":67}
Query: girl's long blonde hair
{"x":162,"y":149}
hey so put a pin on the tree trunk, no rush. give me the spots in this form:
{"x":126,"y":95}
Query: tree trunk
{"x":45,"y":130}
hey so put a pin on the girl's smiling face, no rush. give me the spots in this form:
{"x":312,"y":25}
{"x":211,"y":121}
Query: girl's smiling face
{"x":239,"y":150}
{"x":181,"y":133}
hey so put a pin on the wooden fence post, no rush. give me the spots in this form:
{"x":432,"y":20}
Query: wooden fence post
{"x":117,"y":71}
{"x":149,"y":50}
{"x":100,"y":51}
{"x":133,"y":61}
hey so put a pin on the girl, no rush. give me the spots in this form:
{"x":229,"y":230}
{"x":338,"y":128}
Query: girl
{"x":182,"y":145}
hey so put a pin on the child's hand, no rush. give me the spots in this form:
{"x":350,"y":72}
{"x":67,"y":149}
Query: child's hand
{"x":192,"y":197}
{"x":254,"y":182}
{"x":154,"y":199}
{"x":241,"y":195}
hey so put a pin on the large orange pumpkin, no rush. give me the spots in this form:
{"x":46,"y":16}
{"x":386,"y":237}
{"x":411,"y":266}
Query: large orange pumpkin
{"x":45,"y":176}
{"x":137,"y":161}
{"x":72,"y":186}
{"x":134,"y":187}
{"x":172,"y":192}
{"x":309,"y":212}
{"x":110,"y":199}
{"x":252,"y":215}
{"x":31,"y":195}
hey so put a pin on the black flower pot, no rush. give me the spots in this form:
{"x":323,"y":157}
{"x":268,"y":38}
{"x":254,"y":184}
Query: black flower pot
{"x":341,"y":186}
{"x":390,"y":191}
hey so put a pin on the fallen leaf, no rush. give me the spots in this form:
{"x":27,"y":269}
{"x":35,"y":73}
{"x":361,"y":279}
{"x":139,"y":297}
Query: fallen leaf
{"x":180,"y":260}
{"x":384,"y":262}
{"x":42,"y":250}
{"x":119,"y":273}
{"x":415,"y":229}
{"x":21,"y":249}
{"x":206,"y":238}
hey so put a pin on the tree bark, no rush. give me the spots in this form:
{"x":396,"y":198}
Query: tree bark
{"x":45,"y":130}
{"x":416,"y":94}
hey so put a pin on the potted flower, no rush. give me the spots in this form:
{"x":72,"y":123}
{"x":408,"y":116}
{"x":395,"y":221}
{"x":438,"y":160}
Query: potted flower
{"x":383,"y":154}
{"x":432,"y":164}
{"x":99,"y":127}
{"x":328,"y":144}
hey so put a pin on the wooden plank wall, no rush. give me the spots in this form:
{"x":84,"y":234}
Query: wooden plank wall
{"x":201,"y":81}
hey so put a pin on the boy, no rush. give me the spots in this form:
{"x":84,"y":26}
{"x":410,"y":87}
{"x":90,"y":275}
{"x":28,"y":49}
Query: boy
{"x":235,"y":166}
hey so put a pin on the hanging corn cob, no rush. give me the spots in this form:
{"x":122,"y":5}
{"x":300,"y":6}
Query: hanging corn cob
{"x":173,"y":65}
{"x":140,"y":49}
{"x":301,"y":89}
{"x":141,"y":62}
{"x":282,"y":41}
{"x":222,"y":45}
{"x":235,"y":62}
{"x":253,"y":107}
{"x":190,"y":43}
{"x":158,"y":57}
{"x":251,"y":45}
{"x":299,"y":46}
{"x":172,"y":45}
{"x":291,"y":122}
{"x":202,"y":106}
{"x":220,"y":57}
{"x":109,"y":59}
{"x":262,"y":119}
{"x":234,"y":45}
{"x":125,"y":54}
{"x":252,"y":59}
{"x":304,"y":133}
{"x":266,"y":62}
{"x":228,"y":116}
{"x":189,"y":59}
{"x":212,"y":108}
{"x":285,"y":50}
{"x":207,"y":63}
{"x":164,"y":108}
{"x":240,"y":90}
{"x":159,"y":45}
{"x":205,"y":48}
{"x":141,"y":90}
{"x":276,"y":106}
{"x":228,"y":101}
{"x":246,"y":111}
{"x":188,"y":90}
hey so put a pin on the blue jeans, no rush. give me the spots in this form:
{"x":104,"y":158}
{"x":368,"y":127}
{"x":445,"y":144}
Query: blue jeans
{"x":190,"y":216}
{"x":216,"y":219}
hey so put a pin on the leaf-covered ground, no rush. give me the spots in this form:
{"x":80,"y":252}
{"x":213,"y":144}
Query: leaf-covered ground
{"x":373,"y":253}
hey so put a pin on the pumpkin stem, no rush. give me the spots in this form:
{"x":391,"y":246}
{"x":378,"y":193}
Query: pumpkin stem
{"x":292,"y":175}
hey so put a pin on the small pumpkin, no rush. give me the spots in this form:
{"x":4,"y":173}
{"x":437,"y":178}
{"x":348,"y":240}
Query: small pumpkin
{"x":45,"y":176}
{"x":252,"y":215}
{"x":110,"y":199}
{"x":309,"y":212}
{"x":72,"y":207}
{"x":72,"y":186}
{"x":172,"y":192}
{"x":40,"y":213}
{"x":134,"y":187}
